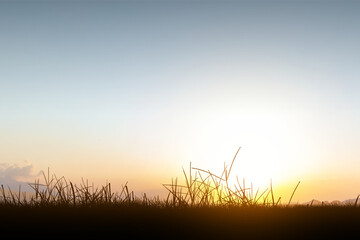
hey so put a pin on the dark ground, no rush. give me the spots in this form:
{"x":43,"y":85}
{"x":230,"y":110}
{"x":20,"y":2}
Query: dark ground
{"x":120,"y":222}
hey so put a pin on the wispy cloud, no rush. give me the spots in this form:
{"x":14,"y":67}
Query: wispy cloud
{"x":13,"y":174}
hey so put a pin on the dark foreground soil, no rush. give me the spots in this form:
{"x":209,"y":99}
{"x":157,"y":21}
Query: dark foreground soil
{"x":130,"y":222}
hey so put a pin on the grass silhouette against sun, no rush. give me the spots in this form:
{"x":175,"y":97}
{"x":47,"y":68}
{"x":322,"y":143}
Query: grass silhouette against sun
{"x":205,"y":206}
{"x":202,"y":188}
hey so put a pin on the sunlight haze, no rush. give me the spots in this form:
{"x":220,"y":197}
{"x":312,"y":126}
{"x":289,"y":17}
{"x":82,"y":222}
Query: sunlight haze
{"x":133,"y":91}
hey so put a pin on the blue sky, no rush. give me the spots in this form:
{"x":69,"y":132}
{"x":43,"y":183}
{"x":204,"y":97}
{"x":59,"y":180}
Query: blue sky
{"x":138,"y":89}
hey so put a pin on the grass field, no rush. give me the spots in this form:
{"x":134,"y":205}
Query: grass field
{"x":204,"y":206}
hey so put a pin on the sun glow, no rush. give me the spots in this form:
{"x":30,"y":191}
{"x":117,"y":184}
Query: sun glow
{"x":269,"y":140}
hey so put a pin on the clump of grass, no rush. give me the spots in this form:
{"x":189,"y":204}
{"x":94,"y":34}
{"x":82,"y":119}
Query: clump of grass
{"x":201,"y":188}
{"x":204,"y":188}
{"x":60,"y":191}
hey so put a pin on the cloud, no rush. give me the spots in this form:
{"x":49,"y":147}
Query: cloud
{"x":13,"y":175}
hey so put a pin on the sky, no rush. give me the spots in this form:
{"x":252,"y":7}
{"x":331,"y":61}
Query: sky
{"x":133,"y":91}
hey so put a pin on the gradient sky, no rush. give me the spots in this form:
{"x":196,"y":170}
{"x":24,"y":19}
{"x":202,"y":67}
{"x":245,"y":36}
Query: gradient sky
{"x":136,"y":90}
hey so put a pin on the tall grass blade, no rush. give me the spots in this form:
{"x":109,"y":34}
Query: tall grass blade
{"x":293,"y":193}
{"x":356,"y":201}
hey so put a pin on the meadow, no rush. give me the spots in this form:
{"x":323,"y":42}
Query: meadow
{"x":204,"y":205}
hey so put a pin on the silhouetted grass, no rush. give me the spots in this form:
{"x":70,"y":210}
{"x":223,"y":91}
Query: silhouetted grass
{"x":202,"y":188}
{"x":206,"y":205}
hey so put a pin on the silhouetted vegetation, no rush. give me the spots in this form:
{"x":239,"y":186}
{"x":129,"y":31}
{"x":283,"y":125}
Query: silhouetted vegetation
{"x":205,"y":206}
